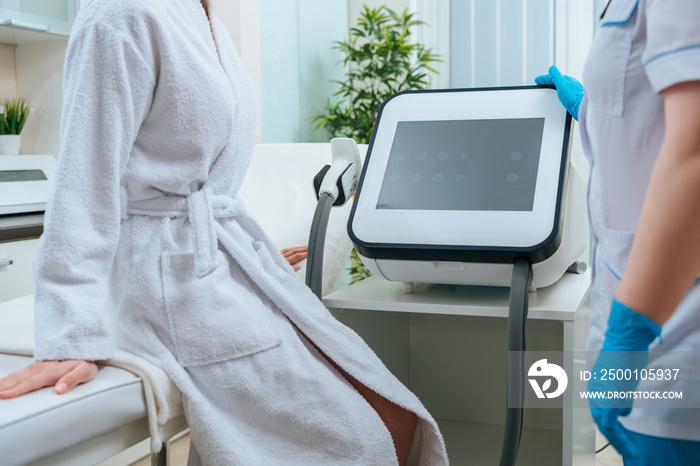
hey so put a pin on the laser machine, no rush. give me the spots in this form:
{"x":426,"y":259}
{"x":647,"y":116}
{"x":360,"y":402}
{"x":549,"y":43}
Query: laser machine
{"x":473,"y":187}
{"x":458,"y":184}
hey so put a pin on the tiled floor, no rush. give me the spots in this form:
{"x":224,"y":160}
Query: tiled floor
{"x":180,"y":449}
{"x":607,"y":457}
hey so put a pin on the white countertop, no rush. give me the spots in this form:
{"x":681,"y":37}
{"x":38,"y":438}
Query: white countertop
{"x":560,"y":301}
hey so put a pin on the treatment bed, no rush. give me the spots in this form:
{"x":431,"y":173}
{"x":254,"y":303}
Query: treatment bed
{"x":98,"y":420}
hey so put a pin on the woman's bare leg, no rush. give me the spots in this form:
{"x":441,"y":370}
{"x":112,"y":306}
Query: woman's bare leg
{"x":400,"y":422}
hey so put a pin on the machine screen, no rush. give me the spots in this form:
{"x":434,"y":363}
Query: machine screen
{"x":7,"y":176}
{"x":463,"y":165}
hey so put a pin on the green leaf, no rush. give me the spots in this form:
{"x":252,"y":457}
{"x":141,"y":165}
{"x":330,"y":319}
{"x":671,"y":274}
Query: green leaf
{"x":14,"y":116}
{"x":381,"y":61}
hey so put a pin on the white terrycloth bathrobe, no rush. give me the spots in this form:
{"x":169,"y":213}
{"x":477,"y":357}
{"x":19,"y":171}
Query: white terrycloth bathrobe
{"x":147,"y":246}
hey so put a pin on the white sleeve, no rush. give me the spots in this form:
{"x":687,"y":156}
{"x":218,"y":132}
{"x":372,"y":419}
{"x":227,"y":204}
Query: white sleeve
{"x":107,"y":92}
{"x":672,"y":53}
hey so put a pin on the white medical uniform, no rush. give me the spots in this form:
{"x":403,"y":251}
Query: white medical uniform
{"x":642,"y":48}
{"x":147,"y":246}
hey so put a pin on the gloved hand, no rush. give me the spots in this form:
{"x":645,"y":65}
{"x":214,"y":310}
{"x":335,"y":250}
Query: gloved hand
{"x":569,"y":90}
{"x":626,"y":346}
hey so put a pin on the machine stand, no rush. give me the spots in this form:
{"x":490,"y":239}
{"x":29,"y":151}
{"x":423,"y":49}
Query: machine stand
{"x":162,"y":458}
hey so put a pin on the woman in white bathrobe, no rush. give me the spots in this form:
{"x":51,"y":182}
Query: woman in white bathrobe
{"x":146,"y":246}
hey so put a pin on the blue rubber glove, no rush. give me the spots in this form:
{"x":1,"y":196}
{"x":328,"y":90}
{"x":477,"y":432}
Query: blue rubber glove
{"x":626,"y":346}
{"x":569,"y":90}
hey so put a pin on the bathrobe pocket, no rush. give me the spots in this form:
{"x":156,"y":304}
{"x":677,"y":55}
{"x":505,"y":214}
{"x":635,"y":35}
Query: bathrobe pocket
{"x":216,"y":317}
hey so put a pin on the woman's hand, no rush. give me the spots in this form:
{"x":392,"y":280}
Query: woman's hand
{"x":295,"y":255}
{"x":63,"y":375}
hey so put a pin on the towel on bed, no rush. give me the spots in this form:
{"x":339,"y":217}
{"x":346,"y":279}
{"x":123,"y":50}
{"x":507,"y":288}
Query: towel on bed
{"x":163,"y":400}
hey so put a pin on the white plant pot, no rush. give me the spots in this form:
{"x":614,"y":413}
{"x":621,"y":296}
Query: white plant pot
{"x":9,"y":144}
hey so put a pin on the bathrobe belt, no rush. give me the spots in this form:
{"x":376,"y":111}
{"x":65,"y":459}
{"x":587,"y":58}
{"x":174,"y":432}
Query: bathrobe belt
{"x":204,"y":209}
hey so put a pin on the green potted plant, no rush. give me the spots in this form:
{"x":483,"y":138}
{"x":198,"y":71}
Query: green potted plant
{"x":13,"y":115}
{"x":381,"y":61}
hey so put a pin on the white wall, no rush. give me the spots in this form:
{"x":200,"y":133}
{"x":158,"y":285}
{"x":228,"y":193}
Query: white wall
{"x":242,"y":20}
{"x":574,"y":34}
{"x":299,"y":65}
{"x":8,"y":76}
{"x":40,"y":79}
{"x":435,"y":34}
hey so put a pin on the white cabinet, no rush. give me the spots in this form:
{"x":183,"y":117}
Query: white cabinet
{"x":448,"y":345}
{"x":35,"y":21}
{"x":41,"y":15}
{"x":17,"y":279}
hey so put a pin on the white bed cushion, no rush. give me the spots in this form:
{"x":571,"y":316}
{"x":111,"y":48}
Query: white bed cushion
{"x":278,"y":192}
{"x":41,"y":426}
{"x":163,"y":400}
